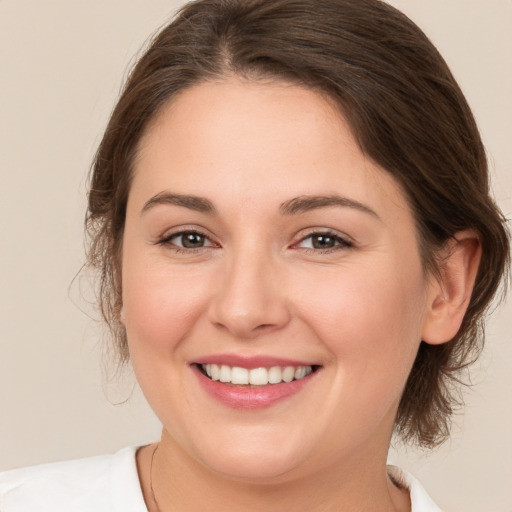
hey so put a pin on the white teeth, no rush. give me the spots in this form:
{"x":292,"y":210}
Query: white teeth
{"x":258,"y":377}
{"x":255,"y":376}
{"x":300,"y":373}
{"x":225,"y":373}
{"x":275,"y":375}
{"x":239,"y":375}
{"x":288,"y":373}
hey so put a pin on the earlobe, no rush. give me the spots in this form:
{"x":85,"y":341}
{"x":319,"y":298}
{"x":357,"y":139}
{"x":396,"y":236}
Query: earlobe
{"x":450,"y":291}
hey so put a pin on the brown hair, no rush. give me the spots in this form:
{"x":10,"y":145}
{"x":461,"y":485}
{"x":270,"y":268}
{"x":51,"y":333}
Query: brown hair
{"x":406,"y":112}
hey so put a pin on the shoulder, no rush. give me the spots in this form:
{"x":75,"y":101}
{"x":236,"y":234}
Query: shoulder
{"x":103,"y":483}
{"x":420,"y":500}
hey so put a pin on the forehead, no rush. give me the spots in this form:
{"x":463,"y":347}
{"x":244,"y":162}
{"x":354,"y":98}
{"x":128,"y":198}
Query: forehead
{"x":247,"y":141}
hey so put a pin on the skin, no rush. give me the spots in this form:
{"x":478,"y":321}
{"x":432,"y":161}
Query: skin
{"x":358,"y":309}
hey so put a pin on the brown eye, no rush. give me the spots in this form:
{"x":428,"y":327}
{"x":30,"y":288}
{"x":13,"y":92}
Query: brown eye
{"x":188,"y":240}
{"x":192,"y":240}
{"x":324,"y":241}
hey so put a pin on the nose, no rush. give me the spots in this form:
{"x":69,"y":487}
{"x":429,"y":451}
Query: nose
{"x":250,"y":299}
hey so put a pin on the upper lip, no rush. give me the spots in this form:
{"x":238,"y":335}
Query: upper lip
{"x":250,"y":362}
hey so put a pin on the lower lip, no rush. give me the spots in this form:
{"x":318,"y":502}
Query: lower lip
{"x":247,"y":397}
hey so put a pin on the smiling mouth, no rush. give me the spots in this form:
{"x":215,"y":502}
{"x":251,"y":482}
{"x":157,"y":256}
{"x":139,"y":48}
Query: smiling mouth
{"x":239,"y":376}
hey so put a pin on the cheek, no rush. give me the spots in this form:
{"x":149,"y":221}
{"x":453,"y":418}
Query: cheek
{"x":160,"y":306}
{"x":161,"y":313}
{"x":370,"y":320}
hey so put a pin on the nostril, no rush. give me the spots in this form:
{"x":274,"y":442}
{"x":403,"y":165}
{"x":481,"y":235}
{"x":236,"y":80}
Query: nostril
{"x":247,"y":309}
{"x":264,"y":327}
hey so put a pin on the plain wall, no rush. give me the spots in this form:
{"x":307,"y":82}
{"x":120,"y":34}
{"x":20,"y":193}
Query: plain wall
{"x":62,"y":64}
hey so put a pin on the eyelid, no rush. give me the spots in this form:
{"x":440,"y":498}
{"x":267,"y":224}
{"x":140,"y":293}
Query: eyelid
{"x":344,"y":240}
{"x":169,"y":235}
{"x":207,"y":242}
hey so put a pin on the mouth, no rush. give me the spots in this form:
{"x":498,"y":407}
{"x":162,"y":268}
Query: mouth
{"x":255,"y":377}
{"x":253,"y":382}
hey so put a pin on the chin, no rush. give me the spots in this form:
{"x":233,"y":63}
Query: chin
{"x":261,"y":468}
{"x":252,"y":457}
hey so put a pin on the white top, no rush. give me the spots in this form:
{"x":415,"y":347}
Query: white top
{"x":109,"y":483}
{"x":106,"y":483}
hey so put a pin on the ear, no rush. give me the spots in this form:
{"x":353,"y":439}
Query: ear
{"x":122,"y":318}
{"x":450,"y":292}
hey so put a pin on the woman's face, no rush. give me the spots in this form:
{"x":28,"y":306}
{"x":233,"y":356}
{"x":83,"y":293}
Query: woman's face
{"x":259,"y":237}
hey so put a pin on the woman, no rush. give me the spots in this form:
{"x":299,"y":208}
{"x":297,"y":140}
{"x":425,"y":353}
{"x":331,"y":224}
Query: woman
{"x":289,"y":211}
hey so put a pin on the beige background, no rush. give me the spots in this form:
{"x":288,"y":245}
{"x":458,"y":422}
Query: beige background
{"x":62,"y":64}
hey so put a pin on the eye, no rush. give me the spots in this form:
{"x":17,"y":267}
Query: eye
{"x":188,"y":240}
{"x":323,"y":241}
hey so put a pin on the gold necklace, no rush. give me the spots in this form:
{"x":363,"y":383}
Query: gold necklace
{"x":151,"y":478}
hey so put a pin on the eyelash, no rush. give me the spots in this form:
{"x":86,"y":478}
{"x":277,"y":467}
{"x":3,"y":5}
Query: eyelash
{"x":341,"y":243}
{"x":166,"y":241}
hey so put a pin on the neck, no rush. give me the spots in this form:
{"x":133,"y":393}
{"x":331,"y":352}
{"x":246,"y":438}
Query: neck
{"x":181,"y":483}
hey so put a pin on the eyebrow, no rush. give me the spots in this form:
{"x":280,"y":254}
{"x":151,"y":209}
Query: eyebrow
{"x":293,"y":206}
{"x":304,"y":204}
{"x":199,"y":204}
